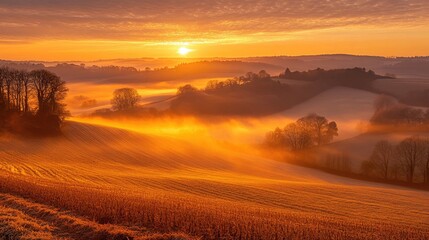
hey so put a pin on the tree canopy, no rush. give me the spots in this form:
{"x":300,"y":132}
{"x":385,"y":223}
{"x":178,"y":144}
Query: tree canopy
{"x":309,"y":131}
{"x":31,"y":101}
{"x":125,"y":99}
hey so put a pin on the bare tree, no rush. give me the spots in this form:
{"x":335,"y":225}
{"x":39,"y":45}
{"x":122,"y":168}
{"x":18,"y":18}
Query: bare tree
{"x":321,"y":130}
{"x":50,"y":90}
{"x":8,"y":88}
{"x":125,"y":98}
{"x":381,"y":158}
{"x":27,"y":92}
{"x":3,"y":75}
{"x":410,"y":154}
{"x":17,"y":89}
{"x":296,"y":137}
{"x":425,"y":162}
{"x":275,"y":138}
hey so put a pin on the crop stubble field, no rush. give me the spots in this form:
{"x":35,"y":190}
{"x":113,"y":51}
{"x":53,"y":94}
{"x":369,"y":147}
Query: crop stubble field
{"x":106,"y":182}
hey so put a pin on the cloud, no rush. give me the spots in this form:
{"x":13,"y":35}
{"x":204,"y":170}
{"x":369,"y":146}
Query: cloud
{"x":203,"y":20}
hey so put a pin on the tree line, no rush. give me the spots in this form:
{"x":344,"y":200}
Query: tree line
{"x":307,"y":132}
{"x":407,"y":161}
{"x":349,"y":77}
{"x":389,"y":112}
{"x":255,"y":94}
{"x":251,"y":95}
{"x":301,"y":142}
{"x":31,"y":101}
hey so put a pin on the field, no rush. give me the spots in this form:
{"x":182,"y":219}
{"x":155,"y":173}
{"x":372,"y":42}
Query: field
{"x":113,"y":183}
{"x":214,"y":120}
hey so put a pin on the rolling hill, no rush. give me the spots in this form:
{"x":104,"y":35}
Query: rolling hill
{"x":194,"y":189}
{"x":350,"y":108}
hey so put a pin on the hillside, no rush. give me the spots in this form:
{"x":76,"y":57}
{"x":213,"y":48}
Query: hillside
{"x":24,"y":219}
{"x":209,"y":185}
{"x":359,"y":148}
{"x":114,"y":74}
{"x":350,"y":108}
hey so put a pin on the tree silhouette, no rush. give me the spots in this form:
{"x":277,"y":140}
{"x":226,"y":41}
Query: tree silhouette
{"x":312,"y":130}
{"x":381,"y":158}
{"x":321,"y":131}
{"x":125,"y":99}
{"x":425,"y":163}
{"x":297,"y":137}
{"x":410,"y":154}
{"x":187,"y":89}
{"x":50,"y":91}
{"x":31,"y":102}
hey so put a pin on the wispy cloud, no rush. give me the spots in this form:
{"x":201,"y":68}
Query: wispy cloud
{"x":201,"y":21}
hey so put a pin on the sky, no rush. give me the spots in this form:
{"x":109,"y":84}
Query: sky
{"x":106,"y":29}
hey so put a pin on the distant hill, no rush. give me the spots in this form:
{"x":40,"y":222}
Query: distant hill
{"x":133,"y":70}
{"x":261,"y":94}
{"x":418,"y":67}
{"x":120,"y":74}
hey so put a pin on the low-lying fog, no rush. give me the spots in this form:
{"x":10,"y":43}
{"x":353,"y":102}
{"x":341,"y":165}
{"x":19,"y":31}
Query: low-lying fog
{"x":350,"y":108}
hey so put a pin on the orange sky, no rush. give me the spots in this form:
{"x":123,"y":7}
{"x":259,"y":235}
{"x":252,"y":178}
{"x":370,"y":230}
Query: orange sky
{"x":90,"y":30}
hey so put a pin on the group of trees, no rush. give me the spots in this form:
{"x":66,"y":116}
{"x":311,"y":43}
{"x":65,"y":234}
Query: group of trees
{"x":249,"y":80}
{"x":253,"y":84}
{"x":389,"y":112}
{"x":252,"y":94}
{"x":350,"y":77}
{"x":407,"y":161}
{"x":31,"y":100}
{"x":307,"y":132}
{"x":261,"y":94}
{"x":256,"y":82}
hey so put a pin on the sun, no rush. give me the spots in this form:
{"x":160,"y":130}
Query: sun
{"x":183,"y":51}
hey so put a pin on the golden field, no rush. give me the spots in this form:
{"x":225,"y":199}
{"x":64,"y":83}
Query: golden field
{"x":111,"y":183}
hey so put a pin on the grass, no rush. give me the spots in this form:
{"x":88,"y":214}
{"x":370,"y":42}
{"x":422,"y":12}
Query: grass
{"x":195,"y":216}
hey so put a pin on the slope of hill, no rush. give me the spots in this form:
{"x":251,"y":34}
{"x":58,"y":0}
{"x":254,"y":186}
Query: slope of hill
{"x":24,"y":219}
{"x":200,"y":189}
{"x":359,"y":148}
{"x":350,"y":108}
{"x":105,"y":152}
{"x":401,"y":87}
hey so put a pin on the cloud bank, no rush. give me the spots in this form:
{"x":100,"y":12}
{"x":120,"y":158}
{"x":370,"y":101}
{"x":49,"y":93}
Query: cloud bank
{"x":203,"y":20}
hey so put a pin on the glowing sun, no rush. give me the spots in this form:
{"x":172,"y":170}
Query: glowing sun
{"x":183,"y":51}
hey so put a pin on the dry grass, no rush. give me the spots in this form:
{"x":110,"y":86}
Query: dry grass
{"x":107,"y":181}
{"x":23,"y":219}
{"x":203,"y":217}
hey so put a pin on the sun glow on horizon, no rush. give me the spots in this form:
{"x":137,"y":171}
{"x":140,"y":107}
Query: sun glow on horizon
{"x":183,"y":51}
